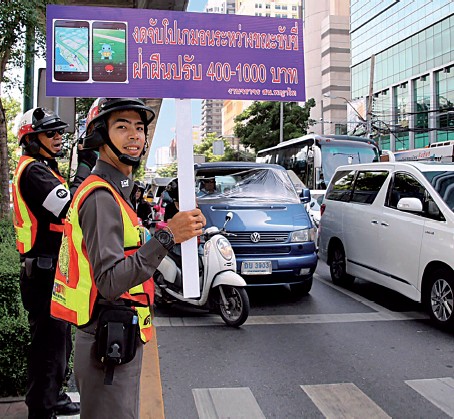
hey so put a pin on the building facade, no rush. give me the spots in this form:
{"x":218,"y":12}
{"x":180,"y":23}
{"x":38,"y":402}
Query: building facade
{"x":327,"y":63}
{"x":211,"y":121}
{"x":403,"y":62}
{"x":266,"y":8}
{"x":230,"y":110}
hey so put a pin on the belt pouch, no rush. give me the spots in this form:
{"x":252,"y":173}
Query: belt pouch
{"x":117,"y":335}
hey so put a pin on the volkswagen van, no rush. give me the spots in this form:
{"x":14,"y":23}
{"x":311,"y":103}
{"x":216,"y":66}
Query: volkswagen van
{"x":272,"y":234}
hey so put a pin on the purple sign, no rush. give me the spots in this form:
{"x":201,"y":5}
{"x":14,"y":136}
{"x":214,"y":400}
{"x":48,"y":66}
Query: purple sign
{"x":112,"y":52}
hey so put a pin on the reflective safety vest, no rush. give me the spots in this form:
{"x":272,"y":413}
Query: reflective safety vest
{"x":25,"y":223}
{"x":75,"y":294}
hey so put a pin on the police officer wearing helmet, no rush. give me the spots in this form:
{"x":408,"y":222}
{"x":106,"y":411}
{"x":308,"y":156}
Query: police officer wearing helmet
{"x":173,"y":207}
{"x":108,"y":275}
{"x":142,"y":207}
{"x":41,"y":199}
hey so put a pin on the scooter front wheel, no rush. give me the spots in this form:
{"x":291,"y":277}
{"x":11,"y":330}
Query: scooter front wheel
{"x":233,"y":305}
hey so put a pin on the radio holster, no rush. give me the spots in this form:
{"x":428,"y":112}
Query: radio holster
{"x":117,"y":336}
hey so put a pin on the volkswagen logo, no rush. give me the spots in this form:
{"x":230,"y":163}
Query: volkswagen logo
{"x":255,"y":237}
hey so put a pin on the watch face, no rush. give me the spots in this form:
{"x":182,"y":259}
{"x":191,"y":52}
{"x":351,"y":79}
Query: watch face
{"x":165,"y":238}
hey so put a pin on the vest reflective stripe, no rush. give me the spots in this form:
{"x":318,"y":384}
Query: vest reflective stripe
{"x":56,"y":227}
{"x":75,"y":294}
{"x":25,"y":223}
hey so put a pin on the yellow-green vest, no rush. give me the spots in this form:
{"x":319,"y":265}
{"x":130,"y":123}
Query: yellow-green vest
{"x":75,"y":294}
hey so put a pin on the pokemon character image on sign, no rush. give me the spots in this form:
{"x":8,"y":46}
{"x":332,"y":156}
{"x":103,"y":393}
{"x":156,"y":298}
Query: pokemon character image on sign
{"x":109,"y":52}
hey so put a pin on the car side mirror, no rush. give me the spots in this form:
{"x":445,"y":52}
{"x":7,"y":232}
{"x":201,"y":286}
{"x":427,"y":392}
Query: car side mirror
{"x":305,"y":196}
{"x":409,"y":205}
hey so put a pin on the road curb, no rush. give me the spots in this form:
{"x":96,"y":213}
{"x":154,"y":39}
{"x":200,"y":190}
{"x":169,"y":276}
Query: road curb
{"x":151,"y":401}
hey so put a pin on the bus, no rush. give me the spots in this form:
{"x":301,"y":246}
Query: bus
{"x":441,"y":152}
{"x":314,"y":158}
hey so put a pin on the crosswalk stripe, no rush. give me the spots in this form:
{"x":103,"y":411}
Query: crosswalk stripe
{"x":439,"y":391}
{"x":343,"y":401}
{"x":234,"y":403}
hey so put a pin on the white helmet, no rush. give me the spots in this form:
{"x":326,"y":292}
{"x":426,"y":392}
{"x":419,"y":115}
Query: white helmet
{"x":39,"y":120}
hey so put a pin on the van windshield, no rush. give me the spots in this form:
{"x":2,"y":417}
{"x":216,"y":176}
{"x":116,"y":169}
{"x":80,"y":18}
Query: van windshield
{"x":443,"y":183}
{"x":258,"y":185}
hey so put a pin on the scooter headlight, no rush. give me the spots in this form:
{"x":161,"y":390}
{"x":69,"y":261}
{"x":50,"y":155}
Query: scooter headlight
{"x":225,"y":248}
{"x":305,"y":235}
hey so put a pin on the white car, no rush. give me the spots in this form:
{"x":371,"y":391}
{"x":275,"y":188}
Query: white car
{"x":393,"y":224}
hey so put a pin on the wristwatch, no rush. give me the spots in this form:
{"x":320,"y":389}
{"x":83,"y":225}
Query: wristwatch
{"x":165,"y":237}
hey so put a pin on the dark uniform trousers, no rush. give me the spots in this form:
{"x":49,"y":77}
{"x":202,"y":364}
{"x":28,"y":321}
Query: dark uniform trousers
{"x":51,"y":342}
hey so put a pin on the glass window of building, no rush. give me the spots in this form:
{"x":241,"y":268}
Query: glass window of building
{"x":382,"y":118}
{"x":444,"y":112}
{"x":422,"y":111}
{"x":402,"y":113}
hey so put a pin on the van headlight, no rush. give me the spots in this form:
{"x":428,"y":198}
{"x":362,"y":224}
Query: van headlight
{"x":225,"y":248}
{"x":306,"y":235}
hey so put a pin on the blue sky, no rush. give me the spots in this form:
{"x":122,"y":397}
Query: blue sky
{"x":165,"y":127}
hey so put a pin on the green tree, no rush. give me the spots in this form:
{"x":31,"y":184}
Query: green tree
{"x":169,"y":170}
{"x":15,"y":17}
{"x":206,"y":148}
{"x":139,"y":171}
{"x":259,"y":125}
{"x":12,"y":109}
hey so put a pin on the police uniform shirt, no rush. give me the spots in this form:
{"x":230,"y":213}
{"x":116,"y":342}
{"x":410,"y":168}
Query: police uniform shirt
{"x":48,"y":199}
{"x":102,"y":227}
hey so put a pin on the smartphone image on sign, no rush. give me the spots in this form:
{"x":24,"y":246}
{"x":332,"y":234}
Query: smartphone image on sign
{"x":109,"y":52}
{"x":71,"y":50}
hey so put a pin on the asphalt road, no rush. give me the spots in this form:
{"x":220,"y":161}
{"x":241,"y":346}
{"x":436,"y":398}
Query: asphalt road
{"x":365,"y":352}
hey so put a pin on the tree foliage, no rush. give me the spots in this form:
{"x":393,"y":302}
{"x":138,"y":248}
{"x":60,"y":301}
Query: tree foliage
{"x":12,"y":109}
{"x":206,"y":148}
{"x":169,"y":170}
{"x":259,"y":125}
{"x":15,"y":17}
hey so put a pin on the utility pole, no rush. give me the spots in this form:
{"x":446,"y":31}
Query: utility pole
{"x":371,"y":94}
{"x":322,"y":119}
{"x":281,"y":123}
{"x":29,"y":68}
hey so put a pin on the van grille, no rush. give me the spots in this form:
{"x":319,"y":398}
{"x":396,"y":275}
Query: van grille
{"x":265,"y":237}
{"x":261,"y":250}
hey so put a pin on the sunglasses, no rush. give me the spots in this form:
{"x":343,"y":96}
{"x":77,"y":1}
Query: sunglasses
{"x":52,"y":133}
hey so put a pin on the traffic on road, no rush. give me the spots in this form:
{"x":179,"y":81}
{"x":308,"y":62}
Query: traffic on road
{"x":360,"y":352}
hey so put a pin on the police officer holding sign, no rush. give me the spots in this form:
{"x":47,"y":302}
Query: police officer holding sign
{"x":105,"y":286}
{"x":41,"y":198}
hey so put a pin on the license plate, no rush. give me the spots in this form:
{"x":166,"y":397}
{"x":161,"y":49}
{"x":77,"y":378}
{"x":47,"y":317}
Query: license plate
{"x":256,"y":267}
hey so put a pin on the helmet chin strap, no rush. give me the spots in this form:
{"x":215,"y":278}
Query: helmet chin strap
{"x":125,"y":158}
{"x":51,"y":153}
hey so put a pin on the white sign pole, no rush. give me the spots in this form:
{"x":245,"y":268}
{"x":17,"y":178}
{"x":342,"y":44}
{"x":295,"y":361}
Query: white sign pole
{"x":186,"y":188}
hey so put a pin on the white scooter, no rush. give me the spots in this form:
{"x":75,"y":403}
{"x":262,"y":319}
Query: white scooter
{"x":221,"y":288}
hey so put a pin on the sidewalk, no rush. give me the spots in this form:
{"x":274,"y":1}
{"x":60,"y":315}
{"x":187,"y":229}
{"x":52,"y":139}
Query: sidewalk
{"x":151,"y":402}
{"x":15,"y":408}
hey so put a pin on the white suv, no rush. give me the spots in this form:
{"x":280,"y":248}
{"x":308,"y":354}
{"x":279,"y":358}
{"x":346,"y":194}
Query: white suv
{"x":393,"y":224}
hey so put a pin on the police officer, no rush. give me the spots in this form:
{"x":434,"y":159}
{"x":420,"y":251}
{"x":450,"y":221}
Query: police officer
{"x":109,"y":270}
{"x":41,"y":198}
{"x":143,"y":208}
